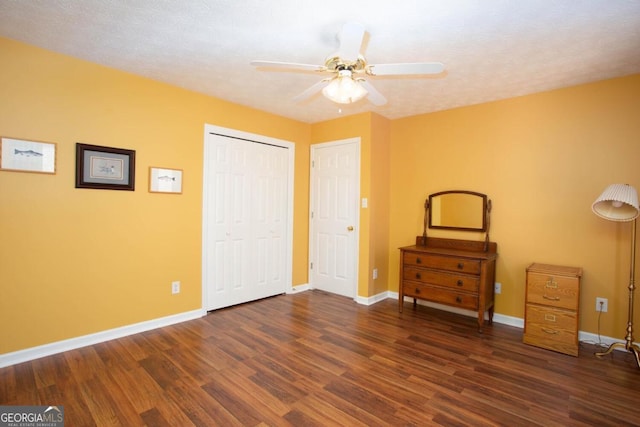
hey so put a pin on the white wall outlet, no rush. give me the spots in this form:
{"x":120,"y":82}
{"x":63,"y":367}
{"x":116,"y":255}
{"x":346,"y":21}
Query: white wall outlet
{"x":175,"y":287}
{"x":375,"y":273}
{"x":498,"y":288}
{"x":601,"y":304}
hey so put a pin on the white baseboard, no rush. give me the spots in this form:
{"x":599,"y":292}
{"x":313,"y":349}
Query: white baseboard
{"x":599,"y":340}
{"x":375,"y":298}
{"x":508,"y":320}
{"x":299,"y":288}
{"x":586,"y":337}
{"x":33,"y":353}
{"x":498,"y":318}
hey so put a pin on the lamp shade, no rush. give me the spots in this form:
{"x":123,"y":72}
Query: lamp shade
{"x":618,"y":202}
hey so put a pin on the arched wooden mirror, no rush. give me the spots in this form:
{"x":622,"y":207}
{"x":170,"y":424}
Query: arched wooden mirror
{"x":457,"y":210}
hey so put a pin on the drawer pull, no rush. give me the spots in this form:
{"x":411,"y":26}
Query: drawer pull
{"x":551,"y":298}
{"x":550,"y":284}
{"x":550,"y":331}
{"x":460,"y":266}
{"x":459,"y":283}
{"x":417,"y":290}
{"x":418,"y":261}
{"x":418,"y":276}
{"x":458,"y":300}
{"x":549,"y":317}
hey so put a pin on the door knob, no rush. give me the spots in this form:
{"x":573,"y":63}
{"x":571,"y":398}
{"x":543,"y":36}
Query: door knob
{"x":350,"y":228}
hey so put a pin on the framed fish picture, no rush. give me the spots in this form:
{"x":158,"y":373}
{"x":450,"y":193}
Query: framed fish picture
{"x":105,"y":168}
{"x":20,"y":155}
{"x":163,"y":180}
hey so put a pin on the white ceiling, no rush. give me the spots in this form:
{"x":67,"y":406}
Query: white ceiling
{"x":492,"y":49}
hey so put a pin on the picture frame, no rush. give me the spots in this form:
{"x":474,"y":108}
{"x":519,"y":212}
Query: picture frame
{"x":105,"y":168}
{"x":165,"y":180}
{"x":21,"y":155}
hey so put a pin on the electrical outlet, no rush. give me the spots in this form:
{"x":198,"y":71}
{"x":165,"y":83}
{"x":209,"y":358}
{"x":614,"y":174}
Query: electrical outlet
{"x":175,"y":287}
{"x":498,"y":288}
{"x":601,"y":304}
{"x":375,"y":273}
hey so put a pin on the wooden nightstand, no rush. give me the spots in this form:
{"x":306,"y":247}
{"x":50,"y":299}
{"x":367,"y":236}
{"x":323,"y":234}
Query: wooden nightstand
{"x":552,"y":307}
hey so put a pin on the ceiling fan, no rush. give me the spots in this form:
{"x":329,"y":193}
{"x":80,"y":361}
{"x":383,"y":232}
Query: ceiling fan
{"x":347,"y":68}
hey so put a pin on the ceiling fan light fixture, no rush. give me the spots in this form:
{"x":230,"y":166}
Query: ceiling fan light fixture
{"x":343,"y":89}
{"x":348,"y":66}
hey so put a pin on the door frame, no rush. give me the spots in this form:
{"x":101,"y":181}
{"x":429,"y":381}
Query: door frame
{"x":356,"y":248}
{"x":207,"y":182}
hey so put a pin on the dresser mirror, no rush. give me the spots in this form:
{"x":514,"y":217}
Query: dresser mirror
{"x":457,"y":210}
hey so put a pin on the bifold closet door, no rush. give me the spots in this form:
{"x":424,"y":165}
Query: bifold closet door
{"x":246,"y":208}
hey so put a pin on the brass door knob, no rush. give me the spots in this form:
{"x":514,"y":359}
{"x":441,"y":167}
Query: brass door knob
{"x":350,"y":228}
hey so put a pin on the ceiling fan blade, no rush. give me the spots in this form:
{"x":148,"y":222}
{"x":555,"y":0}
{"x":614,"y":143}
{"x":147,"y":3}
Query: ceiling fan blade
{"x":405,"y":69}
{"x":375,"y":97}
{"x":312,"y":90}
{"x":350,"y":41}
{"x":288,"y":65}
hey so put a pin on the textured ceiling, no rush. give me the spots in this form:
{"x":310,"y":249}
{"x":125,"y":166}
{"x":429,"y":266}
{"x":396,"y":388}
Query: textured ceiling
{"x":491,"y":49}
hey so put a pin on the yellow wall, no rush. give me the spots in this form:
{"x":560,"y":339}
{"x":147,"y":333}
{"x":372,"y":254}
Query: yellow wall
{"x":380,"y":191}
{"x":79,"y":261}
{"x":542,"y":159}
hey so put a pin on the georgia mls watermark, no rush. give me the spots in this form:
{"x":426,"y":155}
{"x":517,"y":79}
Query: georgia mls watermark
{"x":31,"y":416}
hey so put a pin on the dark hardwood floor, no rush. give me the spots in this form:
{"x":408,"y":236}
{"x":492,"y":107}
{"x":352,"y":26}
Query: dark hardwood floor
{"x":319,"y":359}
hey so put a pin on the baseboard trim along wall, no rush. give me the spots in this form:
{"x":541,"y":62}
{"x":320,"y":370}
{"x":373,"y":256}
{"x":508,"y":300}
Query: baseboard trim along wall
{"x":583,"y":337}
{"x":374,"y":299}
{"x":299,"y":288}
{"x":33,"y":353}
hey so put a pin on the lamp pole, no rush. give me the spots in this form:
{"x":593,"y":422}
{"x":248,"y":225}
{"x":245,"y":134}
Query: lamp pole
{"x":629,"y":344}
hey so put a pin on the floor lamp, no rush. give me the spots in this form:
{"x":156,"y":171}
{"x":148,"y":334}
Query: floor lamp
{"x":619,"y":202}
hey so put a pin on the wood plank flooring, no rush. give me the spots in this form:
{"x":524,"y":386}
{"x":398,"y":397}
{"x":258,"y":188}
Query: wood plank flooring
{"x":316,"y":359}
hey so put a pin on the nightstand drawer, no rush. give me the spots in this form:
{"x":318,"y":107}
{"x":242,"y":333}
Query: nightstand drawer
{"x":548,"y":321}
{"x":553,"y":290}
{"x":551,"y":328}
{"x":453,"y":281}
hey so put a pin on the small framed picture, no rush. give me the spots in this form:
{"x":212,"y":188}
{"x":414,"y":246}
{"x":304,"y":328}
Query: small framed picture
{"x":105,"y":168}
{"x":20,"y":155}
{"x":163,"y":180}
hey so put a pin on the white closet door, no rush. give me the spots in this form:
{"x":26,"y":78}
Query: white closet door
{"x":246,"y":223}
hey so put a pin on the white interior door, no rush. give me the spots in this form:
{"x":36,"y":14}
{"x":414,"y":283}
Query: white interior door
{"x":334,"y":216}
{"x":246,"y":243}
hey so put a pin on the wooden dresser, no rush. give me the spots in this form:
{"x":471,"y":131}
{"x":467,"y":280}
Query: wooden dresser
{"x":551,"y":309}
{"x":458,"y":273}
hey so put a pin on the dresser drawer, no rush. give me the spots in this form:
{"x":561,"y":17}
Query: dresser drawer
{"x":457,"y":264}
{"x":450,"y":272}
{"x":440,"y":295}
{"x":449,"y":280}
{"x":556,"y":291}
